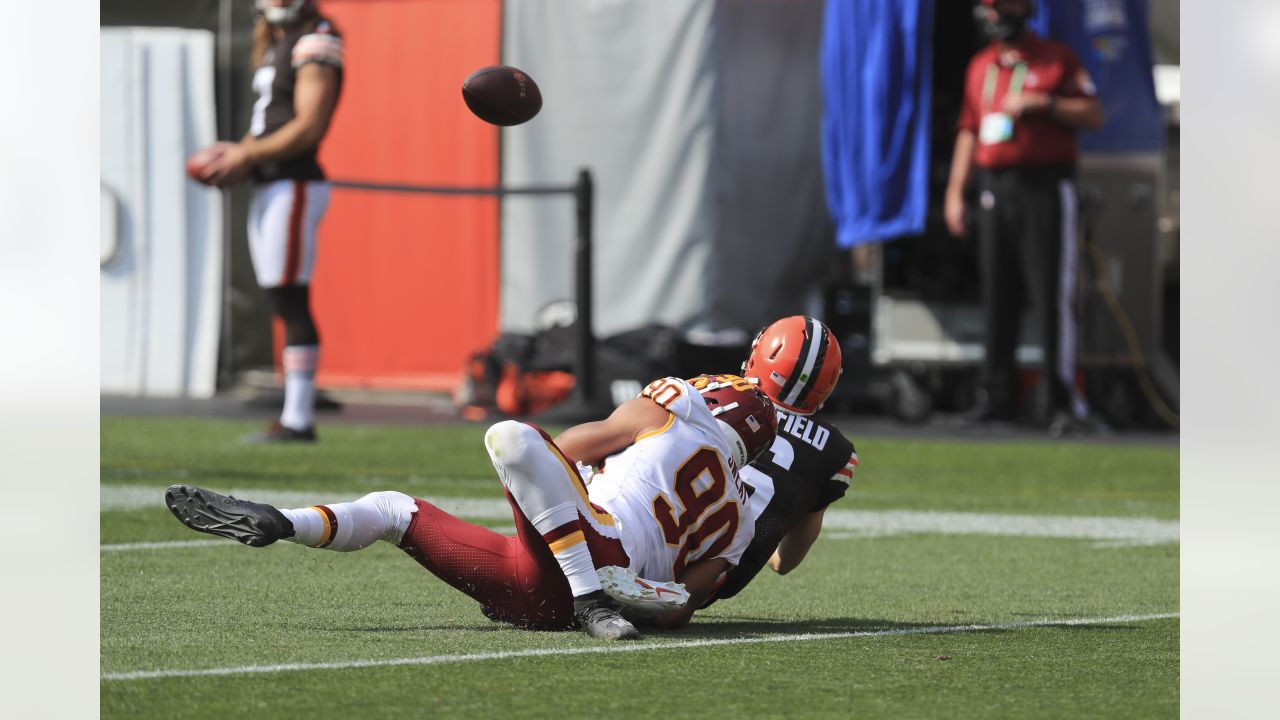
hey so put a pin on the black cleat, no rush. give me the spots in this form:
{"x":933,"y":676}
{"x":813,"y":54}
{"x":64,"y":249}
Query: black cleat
{"x":277,"y":433}
{"x":251,"y":523}
{"x":598,"y":614}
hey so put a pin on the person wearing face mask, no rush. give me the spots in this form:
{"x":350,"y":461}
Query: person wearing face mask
{"x":1025,"y":98}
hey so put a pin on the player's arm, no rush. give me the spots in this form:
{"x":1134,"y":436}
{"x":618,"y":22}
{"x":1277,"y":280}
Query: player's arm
{"x":592,"y":442}
{"x":796,"y":543}
{"x":954,"y":211}
{"x":315,"y":95}
{"x":701,"y":580}
{"x":1078,"y":112}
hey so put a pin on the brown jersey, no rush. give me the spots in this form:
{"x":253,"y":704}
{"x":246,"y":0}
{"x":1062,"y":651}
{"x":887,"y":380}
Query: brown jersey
{"x":314,"y":41}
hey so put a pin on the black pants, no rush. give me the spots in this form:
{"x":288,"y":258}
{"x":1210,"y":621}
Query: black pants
{"x":1027,"y":239}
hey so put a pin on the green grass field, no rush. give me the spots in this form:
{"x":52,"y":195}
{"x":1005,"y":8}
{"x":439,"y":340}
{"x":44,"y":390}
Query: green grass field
{"x":957,"y":579}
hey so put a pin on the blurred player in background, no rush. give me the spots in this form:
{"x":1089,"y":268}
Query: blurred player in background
{"x":796,"y":361}
{"x":664,"y":516}
{"x":298,"y":54}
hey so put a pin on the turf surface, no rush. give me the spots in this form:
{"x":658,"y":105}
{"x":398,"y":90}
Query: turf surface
{"x":226,"y":606}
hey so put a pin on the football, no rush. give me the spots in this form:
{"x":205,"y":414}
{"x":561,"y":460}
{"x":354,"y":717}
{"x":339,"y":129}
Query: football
{"x":200,"y":161}
{"x":502,"y":95}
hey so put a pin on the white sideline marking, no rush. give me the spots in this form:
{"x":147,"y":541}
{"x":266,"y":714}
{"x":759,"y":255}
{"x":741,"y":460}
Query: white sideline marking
{"x":609,"y":649}
{"x":165,"y":545}
{"x":857,"y":523}
{"x":138,"y":497}
{"x":878,"y":523}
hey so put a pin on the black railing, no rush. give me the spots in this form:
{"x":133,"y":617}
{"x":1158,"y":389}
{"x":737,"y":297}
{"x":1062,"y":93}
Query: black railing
{"x":583,"y":192}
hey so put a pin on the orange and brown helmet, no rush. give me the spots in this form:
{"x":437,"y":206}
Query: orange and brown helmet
{"x":796,"y":361}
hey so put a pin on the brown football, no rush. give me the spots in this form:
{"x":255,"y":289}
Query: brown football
{"x":502,"y":95}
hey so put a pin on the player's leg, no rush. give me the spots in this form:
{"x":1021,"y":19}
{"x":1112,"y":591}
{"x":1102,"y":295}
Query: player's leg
{"x":284,"y":220}
{"x":301,"y":354}
{"x":1049,"y":266}
{"x":548,"y":491}
{"x":342,"y":526}
{"x":997,"y":256}
{"x":513,"y":581}
{"x":544,"y":488}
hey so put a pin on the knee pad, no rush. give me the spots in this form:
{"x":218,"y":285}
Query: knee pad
{"x":509,"y":442}
{"x":397,"y":511}
{"x":293,"y":304}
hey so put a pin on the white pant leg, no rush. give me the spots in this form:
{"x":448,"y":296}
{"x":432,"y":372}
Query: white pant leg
{"x":284,"y":218}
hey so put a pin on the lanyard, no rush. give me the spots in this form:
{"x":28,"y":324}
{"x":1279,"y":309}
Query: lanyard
{"x":1015,"y":84}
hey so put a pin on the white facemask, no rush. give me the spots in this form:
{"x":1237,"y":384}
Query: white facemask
{"x":280,"y":15}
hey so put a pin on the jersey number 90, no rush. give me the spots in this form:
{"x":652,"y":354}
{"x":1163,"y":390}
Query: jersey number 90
{"x":697,"y":521}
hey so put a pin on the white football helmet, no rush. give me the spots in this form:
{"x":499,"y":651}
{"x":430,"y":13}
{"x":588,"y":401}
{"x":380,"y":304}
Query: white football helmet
{"x":281,"y":13}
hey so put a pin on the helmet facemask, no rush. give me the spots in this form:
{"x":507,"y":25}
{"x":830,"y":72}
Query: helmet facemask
{"x":286,"y":14}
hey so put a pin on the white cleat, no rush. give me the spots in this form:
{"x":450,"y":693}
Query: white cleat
{"x":647,"y":598}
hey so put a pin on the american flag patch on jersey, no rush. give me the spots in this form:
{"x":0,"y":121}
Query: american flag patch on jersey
{"x":318,"y":47}
{"x":845,"y":474}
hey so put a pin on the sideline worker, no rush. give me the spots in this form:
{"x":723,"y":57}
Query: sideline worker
{"x":1025,"y":97}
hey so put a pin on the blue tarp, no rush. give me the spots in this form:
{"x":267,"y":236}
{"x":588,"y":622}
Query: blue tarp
{"x":1113,"y":41}
{"x":876,"y":63}
{"x":876,"y":59}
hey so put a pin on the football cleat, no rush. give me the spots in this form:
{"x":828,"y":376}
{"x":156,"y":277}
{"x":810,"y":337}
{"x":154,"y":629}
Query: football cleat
{"x":251,"y":523}
{"x":277,"y":434}
{"x":598,"y":615}
{"x":645,"y":598}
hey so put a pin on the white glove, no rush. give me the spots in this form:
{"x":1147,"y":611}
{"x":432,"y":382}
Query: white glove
{"x":646,"y":598}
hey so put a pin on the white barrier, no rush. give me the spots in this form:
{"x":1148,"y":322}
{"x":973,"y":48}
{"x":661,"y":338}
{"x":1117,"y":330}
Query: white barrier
{"x":161,"y":250}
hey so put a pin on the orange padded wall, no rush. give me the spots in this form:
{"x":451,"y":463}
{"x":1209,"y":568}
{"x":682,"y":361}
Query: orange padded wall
{"x":406,"y":286}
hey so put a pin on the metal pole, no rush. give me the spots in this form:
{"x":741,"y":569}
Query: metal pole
{"x":223,"y":97}
{"x":585,"y":198}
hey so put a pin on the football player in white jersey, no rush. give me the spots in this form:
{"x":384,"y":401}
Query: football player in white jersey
{"x":665,"y":514}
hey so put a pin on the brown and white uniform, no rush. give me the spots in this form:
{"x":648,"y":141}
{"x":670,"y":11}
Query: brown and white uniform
{"x":291,"y":195}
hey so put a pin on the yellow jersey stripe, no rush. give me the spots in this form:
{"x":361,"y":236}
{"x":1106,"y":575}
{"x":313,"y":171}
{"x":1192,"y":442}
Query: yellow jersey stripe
{"x":671,"y":420}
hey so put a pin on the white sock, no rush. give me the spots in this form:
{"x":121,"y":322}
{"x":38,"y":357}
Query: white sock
{"x":299,"y":386}
{"x":353,"y":525}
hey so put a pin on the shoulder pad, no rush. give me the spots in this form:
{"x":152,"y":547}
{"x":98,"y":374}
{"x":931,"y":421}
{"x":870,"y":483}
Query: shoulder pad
{"x":673,"y":394}
{"x":318,"y":47}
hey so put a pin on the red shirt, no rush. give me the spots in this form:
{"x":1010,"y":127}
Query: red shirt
{"x":1037,"y":140}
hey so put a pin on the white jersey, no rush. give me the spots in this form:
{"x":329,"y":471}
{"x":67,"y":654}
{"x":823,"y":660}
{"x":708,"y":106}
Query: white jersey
{"x":675,"y":494}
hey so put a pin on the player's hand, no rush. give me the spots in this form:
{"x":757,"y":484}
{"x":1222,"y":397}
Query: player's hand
{"x":641,"y":597}
{"x":1023,"y":103}
{"x":956,"y":214}
{"x":231,"y":168}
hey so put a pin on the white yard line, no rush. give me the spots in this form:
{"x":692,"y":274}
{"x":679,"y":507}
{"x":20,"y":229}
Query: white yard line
{"x":837,"y":524}
{"x":185,"y":544}
{"x":617,"y":648}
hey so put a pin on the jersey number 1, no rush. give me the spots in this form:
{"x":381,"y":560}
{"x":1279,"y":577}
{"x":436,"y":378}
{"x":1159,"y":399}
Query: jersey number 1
{"x":691,"y":528}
